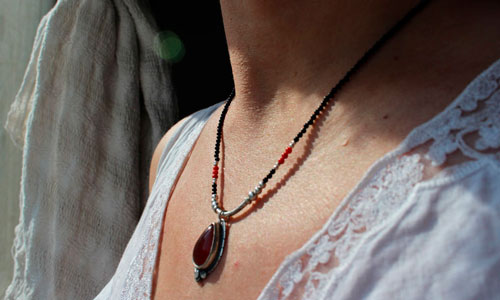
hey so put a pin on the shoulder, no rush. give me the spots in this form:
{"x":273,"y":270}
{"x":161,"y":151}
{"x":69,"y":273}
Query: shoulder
{"x":159,"y":150}
{"x":195,"y":119}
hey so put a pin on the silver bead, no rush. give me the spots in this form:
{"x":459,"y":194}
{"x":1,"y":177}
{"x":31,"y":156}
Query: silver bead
{"x":251,"y":195}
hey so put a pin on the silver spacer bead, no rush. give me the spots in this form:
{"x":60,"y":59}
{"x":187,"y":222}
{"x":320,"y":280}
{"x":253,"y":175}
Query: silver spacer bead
{"x":215,"y":162}
{"x":291,"y":144}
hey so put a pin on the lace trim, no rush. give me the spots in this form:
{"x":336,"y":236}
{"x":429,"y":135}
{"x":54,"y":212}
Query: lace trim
{"x":139,"y":280}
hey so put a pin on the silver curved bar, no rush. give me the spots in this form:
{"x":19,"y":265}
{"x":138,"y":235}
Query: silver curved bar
{"x":242,"y":205}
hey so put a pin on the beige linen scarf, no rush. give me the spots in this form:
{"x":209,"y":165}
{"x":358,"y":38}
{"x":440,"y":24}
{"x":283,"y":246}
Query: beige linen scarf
{"x":94,"y":102}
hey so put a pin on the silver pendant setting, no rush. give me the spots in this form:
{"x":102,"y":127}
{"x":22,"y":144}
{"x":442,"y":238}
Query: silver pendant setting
{"x":208,"y":249}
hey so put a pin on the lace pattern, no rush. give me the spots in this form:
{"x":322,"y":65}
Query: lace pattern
{"x":470,"y":125}
{"x":139,"y":278}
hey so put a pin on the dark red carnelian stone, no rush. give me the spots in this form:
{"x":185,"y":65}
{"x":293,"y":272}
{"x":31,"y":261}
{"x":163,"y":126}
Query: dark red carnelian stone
{"x":202,"y":248}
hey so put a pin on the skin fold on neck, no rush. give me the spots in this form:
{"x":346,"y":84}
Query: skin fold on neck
{"x":286,"y":56}
{"x":298,"y":49}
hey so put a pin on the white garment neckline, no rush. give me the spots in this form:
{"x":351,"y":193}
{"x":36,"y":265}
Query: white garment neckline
{"x":417,"y":136}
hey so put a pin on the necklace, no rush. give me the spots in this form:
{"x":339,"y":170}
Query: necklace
{"x":209,"y":248}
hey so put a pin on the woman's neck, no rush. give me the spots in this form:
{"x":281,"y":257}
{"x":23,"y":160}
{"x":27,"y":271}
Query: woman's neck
{"x":297,"y":50}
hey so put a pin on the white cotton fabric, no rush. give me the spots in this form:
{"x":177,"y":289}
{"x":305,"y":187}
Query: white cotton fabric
{"x":94,"y":102}
{"x":404,"y":232}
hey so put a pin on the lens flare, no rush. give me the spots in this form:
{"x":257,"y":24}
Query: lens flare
{"x":169,"y":46}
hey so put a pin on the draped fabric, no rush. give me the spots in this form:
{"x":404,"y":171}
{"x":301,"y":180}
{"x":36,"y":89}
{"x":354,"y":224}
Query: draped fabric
{"x":19,"y":21}
{"x":94,"y":102}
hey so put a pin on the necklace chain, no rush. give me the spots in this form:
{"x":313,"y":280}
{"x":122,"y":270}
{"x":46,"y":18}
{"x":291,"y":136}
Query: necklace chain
{"x":225,"y":214}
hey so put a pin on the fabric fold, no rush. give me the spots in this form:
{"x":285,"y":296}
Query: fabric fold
{"x":94,"y":102}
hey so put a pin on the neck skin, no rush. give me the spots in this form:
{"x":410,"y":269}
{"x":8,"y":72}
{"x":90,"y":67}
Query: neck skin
{"x":286,"y":56}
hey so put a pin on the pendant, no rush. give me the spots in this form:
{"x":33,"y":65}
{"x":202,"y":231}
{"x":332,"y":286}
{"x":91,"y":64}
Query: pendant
{"x":208,"y":249}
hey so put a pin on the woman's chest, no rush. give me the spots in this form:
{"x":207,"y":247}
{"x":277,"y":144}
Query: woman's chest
{"x":285,"y":216}
{"x":256,"y":245}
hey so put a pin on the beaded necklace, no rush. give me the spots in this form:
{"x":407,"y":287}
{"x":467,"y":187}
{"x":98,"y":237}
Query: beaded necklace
{"x":209,"y":247}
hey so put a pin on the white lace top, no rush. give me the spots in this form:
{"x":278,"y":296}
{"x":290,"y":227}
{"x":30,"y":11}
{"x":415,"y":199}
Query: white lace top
{"x":406,"y":231}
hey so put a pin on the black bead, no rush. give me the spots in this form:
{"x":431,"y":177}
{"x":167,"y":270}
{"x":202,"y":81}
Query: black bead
{"x":265,"y":180}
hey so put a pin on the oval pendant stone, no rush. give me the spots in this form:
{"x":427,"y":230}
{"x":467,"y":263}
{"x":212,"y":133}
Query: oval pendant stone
{"x":208,"y":249}
{"x":201,"y":251}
